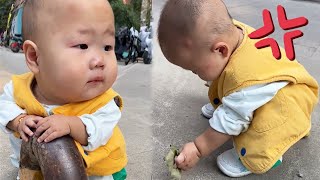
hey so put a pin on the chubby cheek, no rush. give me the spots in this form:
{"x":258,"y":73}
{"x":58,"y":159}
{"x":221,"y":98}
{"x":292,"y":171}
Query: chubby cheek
{"x":70,"y":77}
{"x":111,"y":73}
{"x":206,"y":77}
{"x":210,"y":74}
{"x":74,"y":71}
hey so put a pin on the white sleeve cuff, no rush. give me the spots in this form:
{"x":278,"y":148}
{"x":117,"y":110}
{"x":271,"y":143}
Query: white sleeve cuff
{"x":7,"y":114}
{"x":100,"y":125}
{"x":235,"y":113}
{"x":9,"y":109}
{"x":226,"y":121}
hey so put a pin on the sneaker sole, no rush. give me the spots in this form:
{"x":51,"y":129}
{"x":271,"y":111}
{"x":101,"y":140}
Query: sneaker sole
{"x":231,"y":174}
{"x":205,"y":114}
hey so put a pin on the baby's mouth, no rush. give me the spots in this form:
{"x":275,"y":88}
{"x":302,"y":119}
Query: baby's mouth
{"x":96,"y":79}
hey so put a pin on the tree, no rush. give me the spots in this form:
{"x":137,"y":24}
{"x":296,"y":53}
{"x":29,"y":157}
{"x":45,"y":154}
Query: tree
{"x":5,"y":6}
{"x":146,"y":12}
{"x":126,"y":15}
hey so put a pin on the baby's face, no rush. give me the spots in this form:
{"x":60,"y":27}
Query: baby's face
{"x":77,"y":60}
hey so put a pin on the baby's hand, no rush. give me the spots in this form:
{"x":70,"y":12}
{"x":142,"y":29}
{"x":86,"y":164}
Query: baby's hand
{"x":27,"y":122}
{"x":188,"y":157}
{"x":54,"y":126}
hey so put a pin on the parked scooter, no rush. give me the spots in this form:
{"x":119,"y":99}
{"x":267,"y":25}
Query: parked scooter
{"x":122,"y":43}
{"x":134,"y":46}
{"x":16,"y":43}
{"x":127,"y":45}
{"x":146,"y":44}
{"x":130,"y":44}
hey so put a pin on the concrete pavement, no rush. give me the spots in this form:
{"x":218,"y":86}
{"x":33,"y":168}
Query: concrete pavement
{"x":178,"y":96}
{"x":162,"y":106}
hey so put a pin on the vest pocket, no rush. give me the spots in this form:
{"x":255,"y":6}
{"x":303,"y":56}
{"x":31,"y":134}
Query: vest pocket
{"x":271,"y":115}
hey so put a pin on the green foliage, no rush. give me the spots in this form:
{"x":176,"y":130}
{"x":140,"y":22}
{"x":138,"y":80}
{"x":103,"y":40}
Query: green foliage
{"x":126,"y":15}
{"x":5,"y":6}
{"x":149,"y":13}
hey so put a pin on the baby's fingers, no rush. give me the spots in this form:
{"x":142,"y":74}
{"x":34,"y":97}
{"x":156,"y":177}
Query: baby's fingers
{"x":41,"y":122}
{"x":36,"y":119}
{"x":23,"y":136}
{"x":41,"y":127}
{"x":27,"y":130}
{"x":180,"y":159}
{"x":52,"y":136}
{"x":45,"y":135}
{"x":31,"y":124}
{"x":181,"y":162}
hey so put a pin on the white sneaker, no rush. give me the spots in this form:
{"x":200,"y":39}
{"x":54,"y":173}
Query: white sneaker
{"x":207,"y":110}
{"x":230,"y":164}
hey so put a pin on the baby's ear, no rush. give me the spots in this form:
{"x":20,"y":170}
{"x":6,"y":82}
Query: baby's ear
{"x":30,"y":50}
{"x":222,"y":48}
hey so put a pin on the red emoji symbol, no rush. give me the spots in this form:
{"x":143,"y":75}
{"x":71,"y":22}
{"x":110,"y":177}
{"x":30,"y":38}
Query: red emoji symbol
{"x":285,"y":24}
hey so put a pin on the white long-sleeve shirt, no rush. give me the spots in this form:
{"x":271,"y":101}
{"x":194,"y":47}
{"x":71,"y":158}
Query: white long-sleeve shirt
{"x":235,"y":113}
{"x":99,"y":125}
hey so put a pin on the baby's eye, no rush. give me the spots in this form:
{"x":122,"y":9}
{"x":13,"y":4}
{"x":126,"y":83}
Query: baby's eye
{"x":107,"y":48}
{"x":82,"y":46}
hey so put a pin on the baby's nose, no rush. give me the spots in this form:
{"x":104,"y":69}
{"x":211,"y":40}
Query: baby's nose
{"x":97,"y":62}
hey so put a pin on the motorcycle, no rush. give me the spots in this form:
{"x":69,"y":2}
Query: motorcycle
{"x":16,"y":43}
{"x":130,"y":44}
{"x":146,"y":44}
{"x":127,"y":45}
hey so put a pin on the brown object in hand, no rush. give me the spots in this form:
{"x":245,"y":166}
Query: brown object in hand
{"x":58,"y":159}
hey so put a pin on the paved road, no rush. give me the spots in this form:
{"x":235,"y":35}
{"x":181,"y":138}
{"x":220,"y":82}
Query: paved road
{"x":178,"y":96}
{"x":162,"y":105}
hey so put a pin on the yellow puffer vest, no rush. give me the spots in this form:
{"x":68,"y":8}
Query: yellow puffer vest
{"x":107,"y":159}
{"x":284,"y":120}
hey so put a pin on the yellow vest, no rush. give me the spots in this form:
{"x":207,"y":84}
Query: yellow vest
{"x":284,"y":120}
{"x":105,"y":160}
